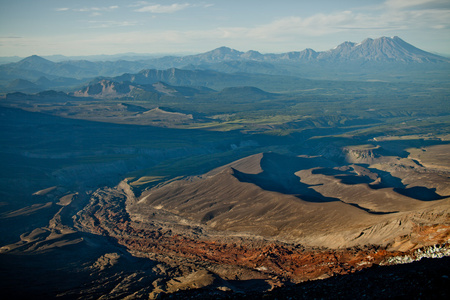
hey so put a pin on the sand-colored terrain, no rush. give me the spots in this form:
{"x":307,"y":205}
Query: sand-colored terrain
{"x":274,"y":218}
{"x":281,"y":197}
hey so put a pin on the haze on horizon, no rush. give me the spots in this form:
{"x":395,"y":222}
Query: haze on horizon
{"x":84,"y":27}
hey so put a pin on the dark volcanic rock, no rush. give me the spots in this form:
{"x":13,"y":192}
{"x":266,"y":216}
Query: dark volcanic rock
{"x":426,"y":279}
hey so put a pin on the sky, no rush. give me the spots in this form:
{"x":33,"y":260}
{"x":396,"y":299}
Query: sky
{"x":93,"y":27}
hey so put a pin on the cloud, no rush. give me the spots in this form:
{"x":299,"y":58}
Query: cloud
{"x":290,"y":28}
{"x":110,"y":24}
{"x":163,"y":9}
{"x":360,"y":22}
{"x":139,"y":3}
{"x":417,"y":4}
{"x":96,"y":9}
{"x":319,"y":31}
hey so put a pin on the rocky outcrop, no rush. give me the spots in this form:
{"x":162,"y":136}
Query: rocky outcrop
{"x":106,"y":89}
{"x":179,"y":241}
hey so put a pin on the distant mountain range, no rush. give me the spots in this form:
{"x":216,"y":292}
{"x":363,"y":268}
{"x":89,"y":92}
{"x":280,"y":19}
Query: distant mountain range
{"x":377,"y":56}
{"x":383,"y":49}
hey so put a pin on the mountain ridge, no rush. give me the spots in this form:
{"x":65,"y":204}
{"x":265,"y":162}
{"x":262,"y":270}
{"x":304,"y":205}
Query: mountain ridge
{"x":380,"y":49}
{"x":368,"y":47}
{"x":380,"y":57}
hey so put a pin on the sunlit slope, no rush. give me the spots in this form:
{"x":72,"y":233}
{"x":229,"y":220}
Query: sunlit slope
{"x":302,"y":199}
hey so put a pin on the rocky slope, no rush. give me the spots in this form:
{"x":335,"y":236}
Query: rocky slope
{"x":292,"y":201}
{"x":428,"y":279}
{"x":250,"y":220}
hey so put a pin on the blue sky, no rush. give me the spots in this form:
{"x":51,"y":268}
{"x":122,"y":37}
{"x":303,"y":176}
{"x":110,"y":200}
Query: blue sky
{"x":88,"y":27}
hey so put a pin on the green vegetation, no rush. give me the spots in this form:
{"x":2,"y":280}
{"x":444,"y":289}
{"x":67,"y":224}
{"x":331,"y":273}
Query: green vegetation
{"x":196,"y":129}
